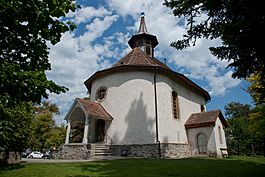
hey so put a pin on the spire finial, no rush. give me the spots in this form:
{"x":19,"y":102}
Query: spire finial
{"x":142,"y":28}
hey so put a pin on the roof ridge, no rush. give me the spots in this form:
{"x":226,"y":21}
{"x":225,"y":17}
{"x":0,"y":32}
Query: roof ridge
{"x":131,"y":56}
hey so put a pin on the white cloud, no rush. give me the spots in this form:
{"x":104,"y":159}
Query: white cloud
{"x":86,"y":13}
{"x":77,"y":57}
{"x":197,"y":60}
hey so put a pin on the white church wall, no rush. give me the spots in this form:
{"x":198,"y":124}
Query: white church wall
{"x":219,"y":136}
{"x":172,"y":130}
{"x":130,"y":101}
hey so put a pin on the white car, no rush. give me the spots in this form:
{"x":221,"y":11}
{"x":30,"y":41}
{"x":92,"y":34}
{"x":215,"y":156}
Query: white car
{"x":35,"y":154}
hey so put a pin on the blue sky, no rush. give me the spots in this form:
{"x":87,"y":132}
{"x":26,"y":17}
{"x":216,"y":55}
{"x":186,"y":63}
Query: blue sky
{"x":103,"y":29}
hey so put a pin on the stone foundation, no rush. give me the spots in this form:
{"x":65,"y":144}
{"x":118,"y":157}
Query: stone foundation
{"x":73,"y":151}
{"x":168,"y":150}
{"x":10,"y":158}
{"x":171,"y":150}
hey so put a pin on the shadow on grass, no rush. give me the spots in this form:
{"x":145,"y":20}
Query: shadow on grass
{"x":196,"y":167}
{"x":4,"y":167}
{"x":183,"y":167}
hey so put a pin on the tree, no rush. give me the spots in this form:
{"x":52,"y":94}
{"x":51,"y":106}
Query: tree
{"x":25,"y":29}
{"x":239,"y":24}
{"x":246,"y":130}
{"x":77,"y":131}
{"x":45,"y":133}
{"x":256,"y":89}
{"x":14,"y":134}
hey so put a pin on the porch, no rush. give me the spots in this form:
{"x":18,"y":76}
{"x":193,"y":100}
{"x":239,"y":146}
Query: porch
{"x":87,"y":122}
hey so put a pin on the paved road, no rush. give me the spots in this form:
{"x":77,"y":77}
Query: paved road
{"x":28,"y":160}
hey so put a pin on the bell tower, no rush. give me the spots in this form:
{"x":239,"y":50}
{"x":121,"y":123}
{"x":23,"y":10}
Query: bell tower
{"x":143,"y":40}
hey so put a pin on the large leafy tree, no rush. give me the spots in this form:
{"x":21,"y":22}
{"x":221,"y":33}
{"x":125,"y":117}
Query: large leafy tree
{"x":25,"y":29}
{"x":239,"y":24}
{"x":44,"y":132}
{"x":246,"y":130}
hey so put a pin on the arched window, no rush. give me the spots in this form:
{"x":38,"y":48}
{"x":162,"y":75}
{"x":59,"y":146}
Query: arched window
{"x":175,"y":105}
{"x":202,"y":143}
{"x":220,"y":135}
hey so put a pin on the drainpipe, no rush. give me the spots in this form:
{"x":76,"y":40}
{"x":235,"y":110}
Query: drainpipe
{"x":156,"y":115}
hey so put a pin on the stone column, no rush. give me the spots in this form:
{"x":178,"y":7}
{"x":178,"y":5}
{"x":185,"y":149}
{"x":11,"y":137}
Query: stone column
{"x":85,"y":138}
{"x":68,"y":132}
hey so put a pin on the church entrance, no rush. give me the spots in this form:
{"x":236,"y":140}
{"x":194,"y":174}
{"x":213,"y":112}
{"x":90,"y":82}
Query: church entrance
{"x":202,"y":143}
{"x":100,"y":130}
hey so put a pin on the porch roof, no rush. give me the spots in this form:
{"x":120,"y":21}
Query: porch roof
{"x":203,"y":119}
{"x":94,"y":109}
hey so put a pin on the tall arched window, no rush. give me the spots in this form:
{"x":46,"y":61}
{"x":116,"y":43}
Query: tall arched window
{"x":202,"y":143}
{"x":175,"y":105}
{"x":220,"y":135}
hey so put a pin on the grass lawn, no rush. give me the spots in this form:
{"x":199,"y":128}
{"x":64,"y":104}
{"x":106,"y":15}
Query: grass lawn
{"x":208,"y":167}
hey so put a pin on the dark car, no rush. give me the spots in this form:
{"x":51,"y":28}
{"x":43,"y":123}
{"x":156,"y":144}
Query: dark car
{"x":25,"y":154}
{"x":46,"y":155}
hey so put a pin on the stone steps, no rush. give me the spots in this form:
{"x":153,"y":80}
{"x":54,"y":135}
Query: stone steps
{"x":101,"y":150}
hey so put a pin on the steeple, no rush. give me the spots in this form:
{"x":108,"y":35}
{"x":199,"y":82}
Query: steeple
{"x":142,"y":27}
{"x":143,"y":40}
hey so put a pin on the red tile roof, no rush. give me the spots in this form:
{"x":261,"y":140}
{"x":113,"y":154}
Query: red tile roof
{"x":137,"y":57}
{"x":205,"y":119}
{"x":94,"y":109}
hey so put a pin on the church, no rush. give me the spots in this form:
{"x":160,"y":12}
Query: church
{"x":139,"y":107}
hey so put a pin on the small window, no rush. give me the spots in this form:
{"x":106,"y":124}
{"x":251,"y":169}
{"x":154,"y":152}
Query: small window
{"x":101,"y":93}
{"x":202,"y":108}
{"x":175,"y":105}
{"x":148,"y":50}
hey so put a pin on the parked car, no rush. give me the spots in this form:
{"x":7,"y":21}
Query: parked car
{"x":25,"y":154}
{"x":46,"y":155}
{"x":35,"y":154}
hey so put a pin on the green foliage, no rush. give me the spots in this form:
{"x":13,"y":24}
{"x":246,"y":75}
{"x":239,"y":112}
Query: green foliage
{"x":14,"y":133}
{"x":77,"y":131}
{"x":246,"y":129}
{"x":45,"y":133}
{"x":25,"y":29}
{"x":256,"y":89}
{"x":239,"y":24}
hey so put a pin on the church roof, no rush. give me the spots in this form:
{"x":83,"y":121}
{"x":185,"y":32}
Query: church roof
{"x":94,"y":109}
{"x":137,"y":57}
{"x":203,"y":119}
{"x":137,"y":60}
